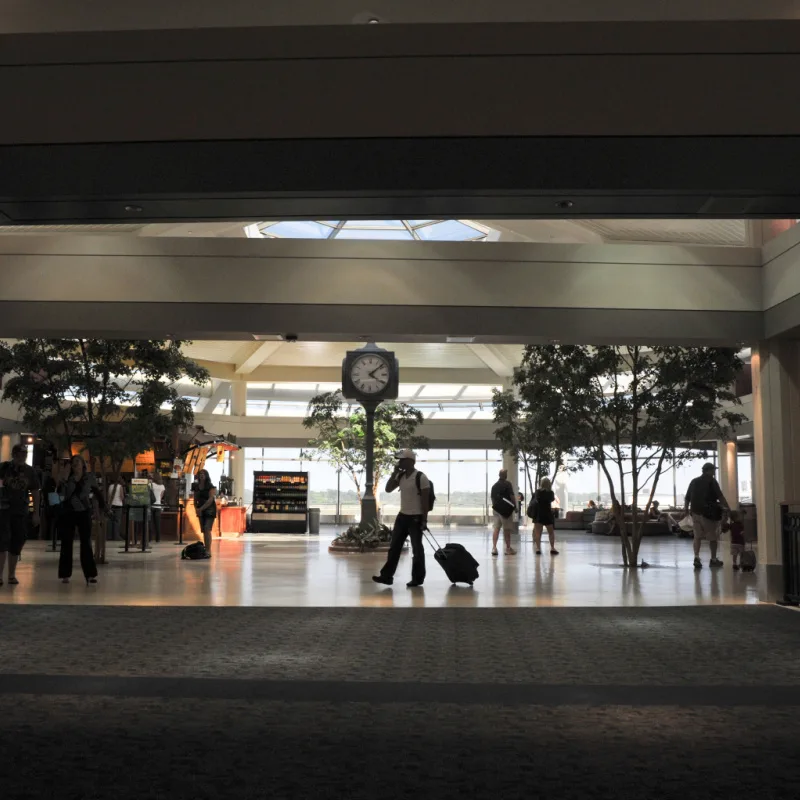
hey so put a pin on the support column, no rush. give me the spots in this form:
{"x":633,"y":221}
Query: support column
{"x":511,"y":466}
{"x":727,"y":454}
{"x":238,"y":409}
{"x":776,"y":423}
{"x":510,"y":462}
{"x":5,"y":447}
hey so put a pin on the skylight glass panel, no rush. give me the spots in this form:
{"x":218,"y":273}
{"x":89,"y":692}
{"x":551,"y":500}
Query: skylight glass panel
{"x":444,"y":391}
{"x":451,"y":230}
{"x":298,"y":229}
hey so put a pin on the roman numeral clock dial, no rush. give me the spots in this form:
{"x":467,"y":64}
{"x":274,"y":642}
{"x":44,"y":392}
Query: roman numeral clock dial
{"x":370,"y":374}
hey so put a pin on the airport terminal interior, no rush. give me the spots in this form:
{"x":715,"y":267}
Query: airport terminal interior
{"x":206,"y":226}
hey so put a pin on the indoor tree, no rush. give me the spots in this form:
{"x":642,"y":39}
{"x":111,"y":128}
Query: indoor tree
{"x":636,"y":411}
{"x":340,"y":435}
{"x":532,"y":437}
{"x":114,"y":396}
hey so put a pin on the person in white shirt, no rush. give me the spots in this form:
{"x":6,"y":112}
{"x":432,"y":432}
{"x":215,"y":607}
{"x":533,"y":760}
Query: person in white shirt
{"x":413,"y":518}
{"x":116,"y":498}
{"x":157,"y":488}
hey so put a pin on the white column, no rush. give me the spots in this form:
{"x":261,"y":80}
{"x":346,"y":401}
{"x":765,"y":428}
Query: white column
{"x":510,"y":464}
{"x":238,"y":409}
{"x":776,"y":423}
{"x":5,"y":447}
{"x":727,"y":453}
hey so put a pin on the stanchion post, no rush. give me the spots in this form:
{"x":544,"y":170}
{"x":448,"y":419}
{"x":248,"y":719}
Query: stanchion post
{"x":145,"y":527}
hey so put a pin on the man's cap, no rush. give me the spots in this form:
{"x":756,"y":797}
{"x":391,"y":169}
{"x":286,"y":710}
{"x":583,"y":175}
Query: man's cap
{"x":407,"y":454}
{"x":709,"y":466}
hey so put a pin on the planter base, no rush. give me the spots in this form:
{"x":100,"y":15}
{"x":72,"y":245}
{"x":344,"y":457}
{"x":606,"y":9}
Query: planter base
{"x":353,"y":548}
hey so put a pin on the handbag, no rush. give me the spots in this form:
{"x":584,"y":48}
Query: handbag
{"x":686,"y":524}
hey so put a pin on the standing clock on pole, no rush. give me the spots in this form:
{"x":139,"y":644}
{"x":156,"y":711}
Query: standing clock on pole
{"x":370,"y":376}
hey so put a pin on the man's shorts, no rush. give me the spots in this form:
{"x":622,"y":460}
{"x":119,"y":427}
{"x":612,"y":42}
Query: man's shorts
{"x":506,"y":523}
{"x":736,"y":548}
{"x":706,"y":529}
{"x":13,"y":532}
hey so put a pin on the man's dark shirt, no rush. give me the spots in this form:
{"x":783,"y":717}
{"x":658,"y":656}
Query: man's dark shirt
{"x":701,"y":492}
{"x":503,"y":489}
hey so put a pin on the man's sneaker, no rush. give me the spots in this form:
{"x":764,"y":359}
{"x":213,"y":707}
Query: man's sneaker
{"x":381,"y":579}
{"x":715,"y":562}
{"x":698,"y":564}
{"x":413,"y":584}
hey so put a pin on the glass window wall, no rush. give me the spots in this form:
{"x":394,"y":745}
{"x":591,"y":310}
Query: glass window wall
{"x":462,"y":480}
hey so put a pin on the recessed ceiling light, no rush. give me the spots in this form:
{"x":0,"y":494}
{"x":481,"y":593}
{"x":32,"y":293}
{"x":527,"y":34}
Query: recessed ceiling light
{"x":267,"y":337}
{"x":460,"y":339}
{"x":134,"y":209}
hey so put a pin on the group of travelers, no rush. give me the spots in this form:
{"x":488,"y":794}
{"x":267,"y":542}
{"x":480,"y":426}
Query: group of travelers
{"x":705,"y":505}
{"x":75,"y":490}
{"x":505,"y":507}
{"x":72,"y":498}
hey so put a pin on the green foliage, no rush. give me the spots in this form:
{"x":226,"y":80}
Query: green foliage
{"x":533,"y":437}
{"x":636,"y":411}
{"x":107,"y":393}
{"x":365,"y":536}
{"x":341,"y":437}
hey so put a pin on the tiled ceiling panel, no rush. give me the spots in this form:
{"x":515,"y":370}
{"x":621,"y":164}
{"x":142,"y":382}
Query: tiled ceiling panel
{"x":730,"y":232}
{"x":219,"y":351}
{"x":330,"y":354}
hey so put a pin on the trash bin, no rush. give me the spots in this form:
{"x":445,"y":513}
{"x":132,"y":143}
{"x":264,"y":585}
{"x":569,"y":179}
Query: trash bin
{"x":313,"y":520}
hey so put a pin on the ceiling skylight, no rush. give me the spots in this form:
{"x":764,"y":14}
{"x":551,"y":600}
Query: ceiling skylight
{"x":424,"y":230}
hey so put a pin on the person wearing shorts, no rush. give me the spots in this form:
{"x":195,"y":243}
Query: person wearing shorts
{"x":503,"y":506}
{"x":706,"y":502}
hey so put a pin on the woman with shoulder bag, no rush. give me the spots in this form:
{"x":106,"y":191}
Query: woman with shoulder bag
{"x":77,"y":490}
{"x":205,"y":504}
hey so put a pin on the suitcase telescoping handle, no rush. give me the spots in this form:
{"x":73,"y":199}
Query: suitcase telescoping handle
{"x":426,"y":532}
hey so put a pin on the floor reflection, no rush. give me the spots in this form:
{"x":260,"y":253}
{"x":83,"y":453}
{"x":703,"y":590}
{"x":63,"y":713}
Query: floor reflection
{"x":271,"y":570}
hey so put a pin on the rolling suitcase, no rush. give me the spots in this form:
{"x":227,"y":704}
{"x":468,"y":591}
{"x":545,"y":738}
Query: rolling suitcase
{"x":748,"y":559}
{"x":456,"y":561}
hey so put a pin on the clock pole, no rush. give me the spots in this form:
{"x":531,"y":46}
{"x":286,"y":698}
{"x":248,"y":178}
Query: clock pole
{"x":361,"y":381}
{"x":369,"y":506}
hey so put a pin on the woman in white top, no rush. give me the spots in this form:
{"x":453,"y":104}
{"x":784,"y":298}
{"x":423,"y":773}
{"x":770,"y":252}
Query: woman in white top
{"x":157,"y":488}
{"x":116,"y":499}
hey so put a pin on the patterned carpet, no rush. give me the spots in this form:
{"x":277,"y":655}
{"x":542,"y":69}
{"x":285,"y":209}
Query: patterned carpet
{"x":358,"y":703}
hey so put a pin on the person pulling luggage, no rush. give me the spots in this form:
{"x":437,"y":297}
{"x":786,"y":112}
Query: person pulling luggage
{"x":413,"y":517}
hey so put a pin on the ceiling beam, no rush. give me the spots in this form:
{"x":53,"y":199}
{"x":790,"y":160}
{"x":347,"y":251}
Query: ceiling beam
{"x":493,"y":359}
{"x":328,"y":374}
{"x":221,"y":391}
{"x":260,"y":353}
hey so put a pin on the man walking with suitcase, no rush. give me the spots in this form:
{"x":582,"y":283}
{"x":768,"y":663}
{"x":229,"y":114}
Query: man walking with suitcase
{"x":413,"y":518}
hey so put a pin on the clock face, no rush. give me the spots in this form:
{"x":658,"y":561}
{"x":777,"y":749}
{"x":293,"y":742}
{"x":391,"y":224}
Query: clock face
{"x":370,"y":374}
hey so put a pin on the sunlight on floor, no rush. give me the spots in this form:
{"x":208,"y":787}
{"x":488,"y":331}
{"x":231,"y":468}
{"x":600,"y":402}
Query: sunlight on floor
{"x":274,"y":570}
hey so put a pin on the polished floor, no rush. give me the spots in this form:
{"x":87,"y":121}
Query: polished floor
{"x":274,"y":570}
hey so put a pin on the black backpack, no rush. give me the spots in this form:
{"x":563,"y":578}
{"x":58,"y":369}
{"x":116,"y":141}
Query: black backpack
{"x":194,"y":551}
{"x":431,"y":493}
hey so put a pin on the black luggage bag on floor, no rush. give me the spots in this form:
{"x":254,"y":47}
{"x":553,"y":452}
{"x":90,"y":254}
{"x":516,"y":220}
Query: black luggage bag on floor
{"x":456,"y":561}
